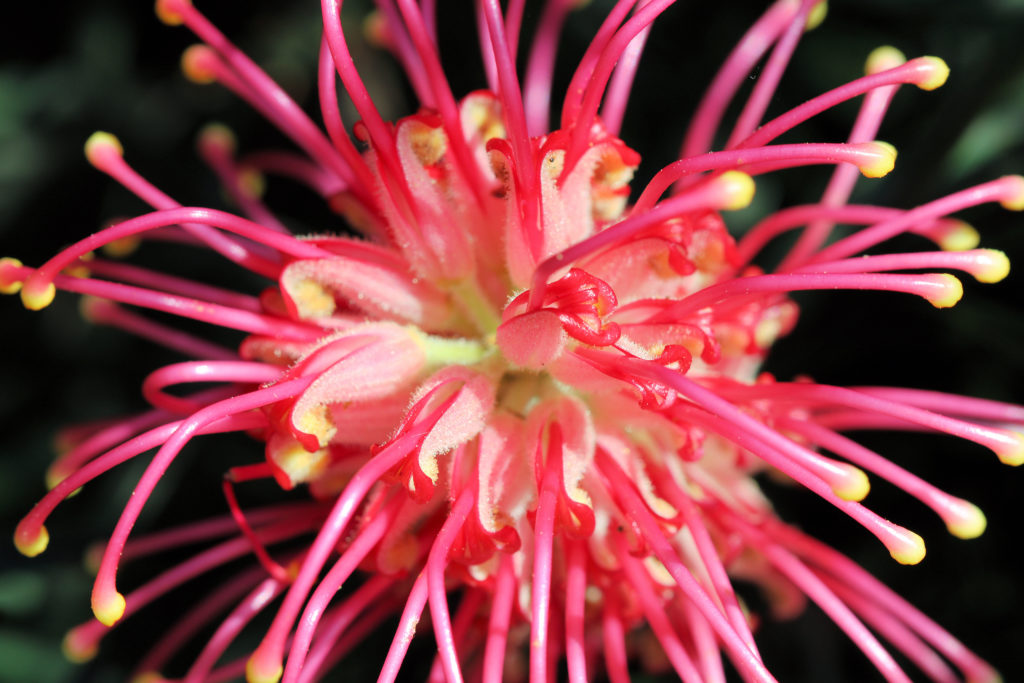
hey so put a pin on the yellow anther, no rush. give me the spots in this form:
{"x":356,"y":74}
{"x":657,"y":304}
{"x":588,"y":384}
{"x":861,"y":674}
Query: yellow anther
{"x":816,"y":16}
{"x":36,"y":299}
{"x":195,"y":66}
{"x":994,"y":266}
{"x":9,"y":285}
{"x":909,"y":549}
{"x":255,"y":673}
{"x":882,"y":59}
{"x":1013,"y":452}
{"x":737,"y":188}
{"x":251,"y":182}
{"x":965,"y":520}
{"x":100,"y":145}
{"x":108,"y":608}
{"x":216,"y":134}
{"x":169,"y":11}
{"x":1015,"y":200}
{"x":881,"y":162}
{"x":375,"y":29}
{"x":960,"y":236}
{"x":75,"y":649}
{"x":148,"y":677}
{"x":950,"y":294}
{"x":937,"y":73}
{"x":30,"y":546}
{"x":122,"y":247}
{"x":854,"y":486}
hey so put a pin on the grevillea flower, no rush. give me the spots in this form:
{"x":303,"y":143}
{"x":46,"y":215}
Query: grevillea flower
{"x":513,"y":381}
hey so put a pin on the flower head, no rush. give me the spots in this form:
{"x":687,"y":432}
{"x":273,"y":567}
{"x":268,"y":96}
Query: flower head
{"x":514,"y":376}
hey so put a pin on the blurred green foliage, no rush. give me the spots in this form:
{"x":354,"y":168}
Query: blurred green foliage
{"x":69,"y":69}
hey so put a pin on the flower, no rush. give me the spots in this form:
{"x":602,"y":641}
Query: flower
{"x":515,"y":383}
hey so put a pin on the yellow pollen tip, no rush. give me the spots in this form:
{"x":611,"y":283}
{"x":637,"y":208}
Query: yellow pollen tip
{"x":854,"y":486}
{"x":254,"y":673}
{"x":193,"y":65}
{"x":109,"y":608}
{"x":935,"y":75}
{"x":883,"y":58}
{"x":35,"y":299}
{"x":217,"y":135}
{"x":965,"y":520}
{"x":950,"y":294}
{"x":75,"y":650}
{"x":101,"y":144}
{"x":169,"y":11}
{"x":54,"y":476}
{"x":737,"y":190}
{"x":9,"y":286}
{"x":910,"y":549}
{"x":120,"y":248}
{"x":148,"y":677}
{"x":375,"y":29}
{"x":816,"y":16}
{"x":961,"y":236}
{"x":1015,"y":201}
{"x":252,"y":183}
{"x":989,"y":675}
{"x":881,"y":161}
{"x":30,"y":546}
{"x":994,"y":266}
{"x":1013,"y":453}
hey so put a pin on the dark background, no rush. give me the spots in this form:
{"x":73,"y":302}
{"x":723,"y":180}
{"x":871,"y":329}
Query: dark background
{"x":68,"y":70}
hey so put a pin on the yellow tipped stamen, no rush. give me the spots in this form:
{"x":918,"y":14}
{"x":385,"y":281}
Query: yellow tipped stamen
{"x":738,"y":190}
{"x":994,"y":266}
{"x":193,"y":65}
{"x":109,"y":608}
{"x":77,"y":650}
{"x":375,"y":29}
{"x":938,"y":72}
{"x":989,"y":676}
{"x":101,"y":144}
{"x":950,"y":294}
{"x":217,"y":134}
{"x":167,"y":11}
{"x":9,"y":286}
{"x":816,"y":16}
{"x":35,"y":299}
{"x":254,"y":674}
{"x":883,"y":58}
{"x":92,"y":310}
{"x":92,"y":558}
{"x":30,"y":546}
{"x":1015,"y":202}
{"x":122,"y":247}
{"x":1013,"y":453}
{"x":251,"y":182}
{"x":55,"y":475}
{"x":882,"y":161}
{"x":961,"y":236}
{"x":964,"y":519}
{"x":908,"y":549}
{"x":855,"y":485}
{"x":149,"y":677}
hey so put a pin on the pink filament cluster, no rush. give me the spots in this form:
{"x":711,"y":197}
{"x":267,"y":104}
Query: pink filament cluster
{"x":514,"y":383}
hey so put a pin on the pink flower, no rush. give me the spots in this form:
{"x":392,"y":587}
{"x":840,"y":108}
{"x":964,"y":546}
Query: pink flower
{"x":513,"y":383}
